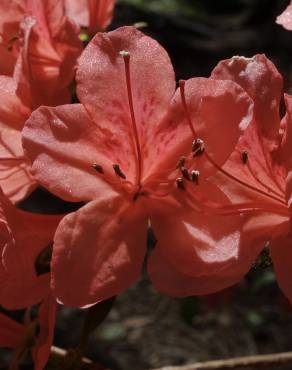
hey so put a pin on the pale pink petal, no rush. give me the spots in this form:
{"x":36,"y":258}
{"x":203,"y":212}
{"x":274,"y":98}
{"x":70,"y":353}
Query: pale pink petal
{"x":63,"y":143}
{"x":285,"y":18}
{"x":99,"y":251}
{"x":281,"y":253}
{"x":77,"y":10}
{"x":95,"y":14}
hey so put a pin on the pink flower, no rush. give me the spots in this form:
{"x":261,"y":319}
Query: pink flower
{"x":95,"y":15}
{"x":257,"y":176}
{"x":129,"y":152}
{"x":48,"y":48}
{"x":285,"y":18}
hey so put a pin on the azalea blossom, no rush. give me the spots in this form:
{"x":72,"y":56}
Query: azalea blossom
{"x":36,"y":335}
{"x":257,"y":176}
{"x":26,"y":240}
{"x":129,"y":152}
{"x":45,"y":42}
{"x":95,"y":15}
{"x":285,"y":18}
{"x":48,"y":49}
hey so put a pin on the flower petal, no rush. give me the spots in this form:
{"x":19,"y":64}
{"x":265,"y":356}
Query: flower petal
{"x":16,"y":179}
{"x":102,"y":86}
{"x":168,"y":280}
{"x":285,"y":18}
{"x":198,"y":243}
{"x":63,"y":143}
{"x":12,"y":333}
{"x":19,"y":282}
{"x":281,"y":253}
{"x":47,"y":58}
{"x":211,"y":106}
{"x":260,"y":141}
{"x":47,"y":318}
{"x":99,"y":250}
{"x":260,"y":79}
{"x":95,"y":14}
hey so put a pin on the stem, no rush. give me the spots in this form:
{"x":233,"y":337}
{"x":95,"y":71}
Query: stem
{"x":251,"y":362}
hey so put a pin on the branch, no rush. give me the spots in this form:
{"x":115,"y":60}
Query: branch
{"x":259,"y":361}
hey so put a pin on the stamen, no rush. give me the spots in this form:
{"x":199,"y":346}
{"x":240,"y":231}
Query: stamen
{"x":180,"y":183}
{"x":195,"y":176}
{"x":181,"y":162}
{"x":183,"y":98}
{"x":185,"y":173}
{"x":118,"y":171}
{"x":126,"y":56}
{"x":244,"y":157}
{"x":98,"y":168}
{"x":198,"y":147}
{"x":281,"y":199}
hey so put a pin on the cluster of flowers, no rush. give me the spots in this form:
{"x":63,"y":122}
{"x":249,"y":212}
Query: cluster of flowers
{"x":207,"y":164}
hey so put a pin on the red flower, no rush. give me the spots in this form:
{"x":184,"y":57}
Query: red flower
{"x":24,"y":337}
{"x":95,"y":15}
{"x":121,"y":151}
{"x":25,"y":238}
{"x":257,"y":176}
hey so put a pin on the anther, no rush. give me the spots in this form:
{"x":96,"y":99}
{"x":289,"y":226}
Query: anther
{"x":185,"y":173}
{"x":181,"y":162}
{"x":180,"y":183}
{"x":124,"y":53}
{"x":198,"y":147}
{"x":244,"y":157}
{"x":118,"y":171}
{"x":98,"y":168}
{"x":195,"y":176}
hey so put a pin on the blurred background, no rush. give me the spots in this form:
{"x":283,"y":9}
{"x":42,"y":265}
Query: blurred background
{"x":146,"y":329}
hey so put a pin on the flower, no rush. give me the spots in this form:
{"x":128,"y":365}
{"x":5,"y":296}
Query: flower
{"x":285,"y":18}
{"x":24,"y":337}
{"x":25,"y":247}
{"x":48,"y":49}
{"x":257,"y":176}
{"x":11,"y":332}
{"x":43,"y":43}
{"x":130,"y":150}
{"x":95,"y":15}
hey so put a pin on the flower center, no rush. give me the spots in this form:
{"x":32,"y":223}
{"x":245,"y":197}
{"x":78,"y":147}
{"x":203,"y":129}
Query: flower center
{"x":270,"y":194}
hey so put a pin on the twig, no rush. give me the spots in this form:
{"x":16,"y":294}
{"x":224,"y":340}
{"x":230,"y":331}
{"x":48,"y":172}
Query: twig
{"x":58,"y":355}
{"x":259,"y":361}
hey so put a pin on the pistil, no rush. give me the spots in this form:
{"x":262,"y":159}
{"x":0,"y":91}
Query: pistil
{"x":126,"y":58}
